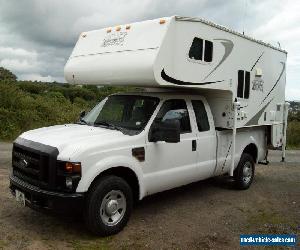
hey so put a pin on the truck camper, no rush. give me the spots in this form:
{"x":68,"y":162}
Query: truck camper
{"x":213,"y":104}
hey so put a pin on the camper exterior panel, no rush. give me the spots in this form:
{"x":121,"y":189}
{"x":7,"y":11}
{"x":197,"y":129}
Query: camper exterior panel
{"x":117,"y":57}
{"x":97,"y":69}
{"x":170,"y":55}
{"x":242,"y":140}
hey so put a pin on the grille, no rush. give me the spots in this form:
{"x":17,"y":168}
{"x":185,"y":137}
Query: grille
{"x":32,"y":167}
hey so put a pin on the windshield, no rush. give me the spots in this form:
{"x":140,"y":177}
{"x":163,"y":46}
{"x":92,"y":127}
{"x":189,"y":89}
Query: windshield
{"x":127,"y":113}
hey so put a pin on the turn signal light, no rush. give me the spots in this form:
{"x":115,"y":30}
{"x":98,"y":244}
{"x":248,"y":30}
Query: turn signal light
{"x":73,"y":167}
{"x":139,"y":153}
{"x":162,"y":21}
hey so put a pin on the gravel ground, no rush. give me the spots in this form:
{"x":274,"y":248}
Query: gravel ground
{"x":204,"y":215}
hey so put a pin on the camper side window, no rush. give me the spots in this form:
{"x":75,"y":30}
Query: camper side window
{"x":243,"y":88}
{"x":201,"y":50}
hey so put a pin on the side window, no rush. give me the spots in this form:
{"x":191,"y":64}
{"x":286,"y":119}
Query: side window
{"x":208,"y":51}
{"x":201,"y":115}
{"x":175,"y":109}
{"x":201,"y":50}
{"x":196,"y":50}
{"x":243,"y":88}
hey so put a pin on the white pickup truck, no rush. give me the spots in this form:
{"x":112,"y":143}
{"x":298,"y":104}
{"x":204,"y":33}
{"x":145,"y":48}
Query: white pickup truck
{"x":128,"y":146}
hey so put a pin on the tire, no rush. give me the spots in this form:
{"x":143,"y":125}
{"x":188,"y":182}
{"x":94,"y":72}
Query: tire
{"x":108,"y":206}
{"x":244,"y":173}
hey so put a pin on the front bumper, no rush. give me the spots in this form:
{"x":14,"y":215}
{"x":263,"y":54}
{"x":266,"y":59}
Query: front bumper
{"x":40,"y":199}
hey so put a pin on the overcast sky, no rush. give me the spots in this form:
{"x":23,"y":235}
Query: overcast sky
{"x":37,"y":36}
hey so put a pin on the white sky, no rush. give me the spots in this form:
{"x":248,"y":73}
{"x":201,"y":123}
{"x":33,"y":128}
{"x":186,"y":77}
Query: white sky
{"x":37,"y":36}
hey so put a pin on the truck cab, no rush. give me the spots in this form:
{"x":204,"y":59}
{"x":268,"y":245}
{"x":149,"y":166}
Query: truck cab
{"x":128,"y":146}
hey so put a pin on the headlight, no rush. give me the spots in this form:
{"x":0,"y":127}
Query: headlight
{"x":72,"y":167}
{"x":68,"y":175}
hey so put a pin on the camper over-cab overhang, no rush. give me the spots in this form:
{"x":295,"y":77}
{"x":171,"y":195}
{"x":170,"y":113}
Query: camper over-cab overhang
{"x":190,"y":53}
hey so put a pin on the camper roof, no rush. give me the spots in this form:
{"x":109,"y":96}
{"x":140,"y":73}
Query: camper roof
{"x":221,"y":27}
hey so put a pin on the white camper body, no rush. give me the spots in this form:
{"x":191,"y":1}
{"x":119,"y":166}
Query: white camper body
{"x":214,"y":101}
{"x":166,"y":54}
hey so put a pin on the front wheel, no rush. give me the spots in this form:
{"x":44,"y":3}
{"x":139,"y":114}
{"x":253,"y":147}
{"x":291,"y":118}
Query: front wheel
{"x":108,"y":206}
{"x":244,"y":173}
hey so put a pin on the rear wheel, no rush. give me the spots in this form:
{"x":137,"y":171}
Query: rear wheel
{"x":108,"y":206}
{"x":244,"y":173}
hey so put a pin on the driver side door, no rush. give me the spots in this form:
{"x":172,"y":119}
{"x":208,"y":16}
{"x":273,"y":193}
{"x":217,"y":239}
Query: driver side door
{"x":171,"y":164}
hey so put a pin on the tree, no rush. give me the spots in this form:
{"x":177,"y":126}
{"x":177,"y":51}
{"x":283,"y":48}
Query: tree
{"x":5,"y":74}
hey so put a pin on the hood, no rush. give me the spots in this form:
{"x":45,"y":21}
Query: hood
{"x":73,"y":136}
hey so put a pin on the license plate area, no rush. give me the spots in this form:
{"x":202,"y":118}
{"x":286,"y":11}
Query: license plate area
{"x":20,"y":197}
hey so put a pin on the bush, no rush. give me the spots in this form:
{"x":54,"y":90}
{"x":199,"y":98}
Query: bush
{"x":293,"y":134}
{"x":26,"y":105}
{"x":32,"y":87}
{"x":6,"y":75}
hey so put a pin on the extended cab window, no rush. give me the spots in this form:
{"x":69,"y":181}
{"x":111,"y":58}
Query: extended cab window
{"x":175,"y":109}
{"x":201,"y":115}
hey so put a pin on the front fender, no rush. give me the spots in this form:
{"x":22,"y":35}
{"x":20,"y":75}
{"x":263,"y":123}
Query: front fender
{"x":114,"y":161}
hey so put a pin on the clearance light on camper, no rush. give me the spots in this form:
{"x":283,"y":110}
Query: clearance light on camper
{"x":162,"y":21}
{"x":108,"y":30}
{"x":72,"y":167}
{"x":128,"y":27}
{"x":118,"y":28}
{"x":258,"y":72}
{"x":83,"y":35}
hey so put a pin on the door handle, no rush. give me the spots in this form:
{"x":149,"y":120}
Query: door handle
{"x":194,"y":145}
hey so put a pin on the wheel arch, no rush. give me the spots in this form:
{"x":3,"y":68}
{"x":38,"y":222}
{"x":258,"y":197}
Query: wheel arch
{"x":123,"y":172}
{"x":252,"y":150}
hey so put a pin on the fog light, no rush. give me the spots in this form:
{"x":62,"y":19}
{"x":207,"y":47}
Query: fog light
{"x":69,"y":182}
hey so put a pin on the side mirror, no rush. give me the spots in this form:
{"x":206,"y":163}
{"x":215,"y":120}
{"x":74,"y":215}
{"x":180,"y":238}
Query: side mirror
{"x":82,"y":114}
{"x":168,"y":131}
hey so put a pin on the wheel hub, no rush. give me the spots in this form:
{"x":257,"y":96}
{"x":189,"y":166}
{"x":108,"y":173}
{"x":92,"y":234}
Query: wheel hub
{"x":111,"y":207}
{"x":247,"y":172}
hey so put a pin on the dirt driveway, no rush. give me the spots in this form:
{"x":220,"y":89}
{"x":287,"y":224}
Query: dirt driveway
{"x":204,"y":215}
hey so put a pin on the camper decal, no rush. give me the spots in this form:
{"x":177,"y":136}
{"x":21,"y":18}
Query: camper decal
{"x":258,"y":84}
{"x":228,"y":46}
{"x":114,"y":39}
{"x":170,"y":79}
{"x":257,"y":60}
{"x":256,"y":117}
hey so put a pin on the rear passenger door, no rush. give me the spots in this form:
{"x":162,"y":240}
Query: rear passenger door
{"x":206,"y":138}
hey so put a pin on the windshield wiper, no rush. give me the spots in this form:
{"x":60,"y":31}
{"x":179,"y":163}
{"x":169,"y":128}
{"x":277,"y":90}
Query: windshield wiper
{"x":82,"y":121}
{"x":109,"y":125}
